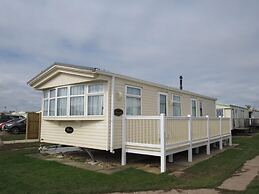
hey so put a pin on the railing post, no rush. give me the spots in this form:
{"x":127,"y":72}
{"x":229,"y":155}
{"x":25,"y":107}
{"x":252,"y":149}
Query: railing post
{"x":220,"y":132}
{"x":162,"y":143}
{"x":190,"y":138}
{"x":208,"y":135}
{"x":123,"y":141}
{"x":230,"y":131}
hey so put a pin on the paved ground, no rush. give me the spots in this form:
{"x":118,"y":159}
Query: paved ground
{"x":241,"y":179}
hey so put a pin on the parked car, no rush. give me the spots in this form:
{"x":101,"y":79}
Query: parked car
{"x":15,"y":126}
{"x":4,"y":119}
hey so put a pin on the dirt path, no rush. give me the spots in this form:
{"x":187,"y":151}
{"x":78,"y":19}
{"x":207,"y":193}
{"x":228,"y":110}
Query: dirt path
{"x":240,"y":180}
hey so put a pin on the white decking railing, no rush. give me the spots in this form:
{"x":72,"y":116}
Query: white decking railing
{"x":164,"y":135}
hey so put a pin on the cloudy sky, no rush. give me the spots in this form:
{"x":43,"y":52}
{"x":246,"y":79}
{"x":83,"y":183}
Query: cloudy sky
{"x":213,"y":44}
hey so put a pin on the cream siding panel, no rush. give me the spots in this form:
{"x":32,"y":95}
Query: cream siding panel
{"x":89,"y":134}
{"x":150,"y":104}
{"x":64,"y":79}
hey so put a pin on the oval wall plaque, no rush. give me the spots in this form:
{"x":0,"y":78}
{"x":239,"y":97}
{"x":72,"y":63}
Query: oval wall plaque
{"x":118,"y":112}
{"x":69,"y":130}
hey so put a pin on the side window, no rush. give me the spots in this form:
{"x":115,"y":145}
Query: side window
{"x":133,"y":100}
{"x":220,"y":112}
{"x":177,"y":105}
{"x":194,"y":107}
{"x":163,"y":104}
{"x":201,"y":108}
{"x":45,"y":103}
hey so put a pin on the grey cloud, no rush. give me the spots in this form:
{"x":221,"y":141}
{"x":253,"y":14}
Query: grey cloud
{"x":214,"y":44}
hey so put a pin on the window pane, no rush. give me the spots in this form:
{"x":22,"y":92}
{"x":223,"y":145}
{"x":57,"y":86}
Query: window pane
{"x":162,"y":104}
{"x":45,"y":94}
{"x":133,"y":106}
{"x":133,"y":91}
{"x":52,"y":107}
{"x":194,"y":108}
{"x":95,"y":88}
{"x":77,"y":105}
{"x":201,"y":109}
{"x":176,"y":98}
{"x":45,"y":108}
{"x":219,"y":112}
{"x":176,"y":109}
{"x":77,"y":90}
{"x":61,"y":106}
{"x":62,"y":91}
{"x":52,"y":93}
{"x":95,"y":105}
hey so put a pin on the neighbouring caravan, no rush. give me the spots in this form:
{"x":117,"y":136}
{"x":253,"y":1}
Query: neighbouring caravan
{"x":239,"y":114}
{"x":255,"y":113}
{"x":92,"y":108}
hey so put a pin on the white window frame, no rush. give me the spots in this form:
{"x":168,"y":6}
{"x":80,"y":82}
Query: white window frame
{"x":132,"y":95}
{"x":43,"y":99}
{"x":56,"y":107}
{"x":193,"y":99}
{"x":85,"y":95}
{"x":165,"y":94}
{"x":80,"y":95}
{"x":52,"y":98}
{"x":176,"y":102}
{"x":95,"y":94}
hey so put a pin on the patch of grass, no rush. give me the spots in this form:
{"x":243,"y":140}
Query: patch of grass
{"x":10,"y":137}
{"x":20,"y":173}
{"x":253,"y":187}
{"x":213,"y":172}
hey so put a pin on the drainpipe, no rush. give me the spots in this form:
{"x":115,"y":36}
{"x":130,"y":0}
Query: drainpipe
{"x":112,"y":114}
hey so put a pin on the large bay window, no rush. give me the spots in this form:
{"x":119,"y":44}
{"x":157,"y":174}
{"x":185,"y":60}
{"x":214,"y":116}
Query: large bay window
{"x":177,"y":105}
{"x":133,"y":100}
{"x":76,"y":100}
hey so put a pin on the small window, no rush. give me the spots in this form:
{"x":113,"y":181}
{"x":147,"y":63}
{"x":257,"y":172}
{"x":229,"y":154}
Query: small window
{"x":163,"y":103}
{"x":176,"y":105}
{"x":52,"y":93}
{"x":45,"y":107}
{"x":62,"y":91}
{"x":220,"y":112}
{"x":77,"y":90}
{"x":133,"y":91}
{"x":201,"y":108}
{"x":133,"y":101}
{"x":98,"y":88}
{"x":45,"y":94}
{"x":194,"y":107}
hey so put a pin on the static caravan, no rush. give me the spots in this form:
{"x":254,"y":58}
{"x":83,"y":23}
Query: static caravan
{"x":255,"y":113}
{"x":239,"y":114}
{"x":92,"y":108}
